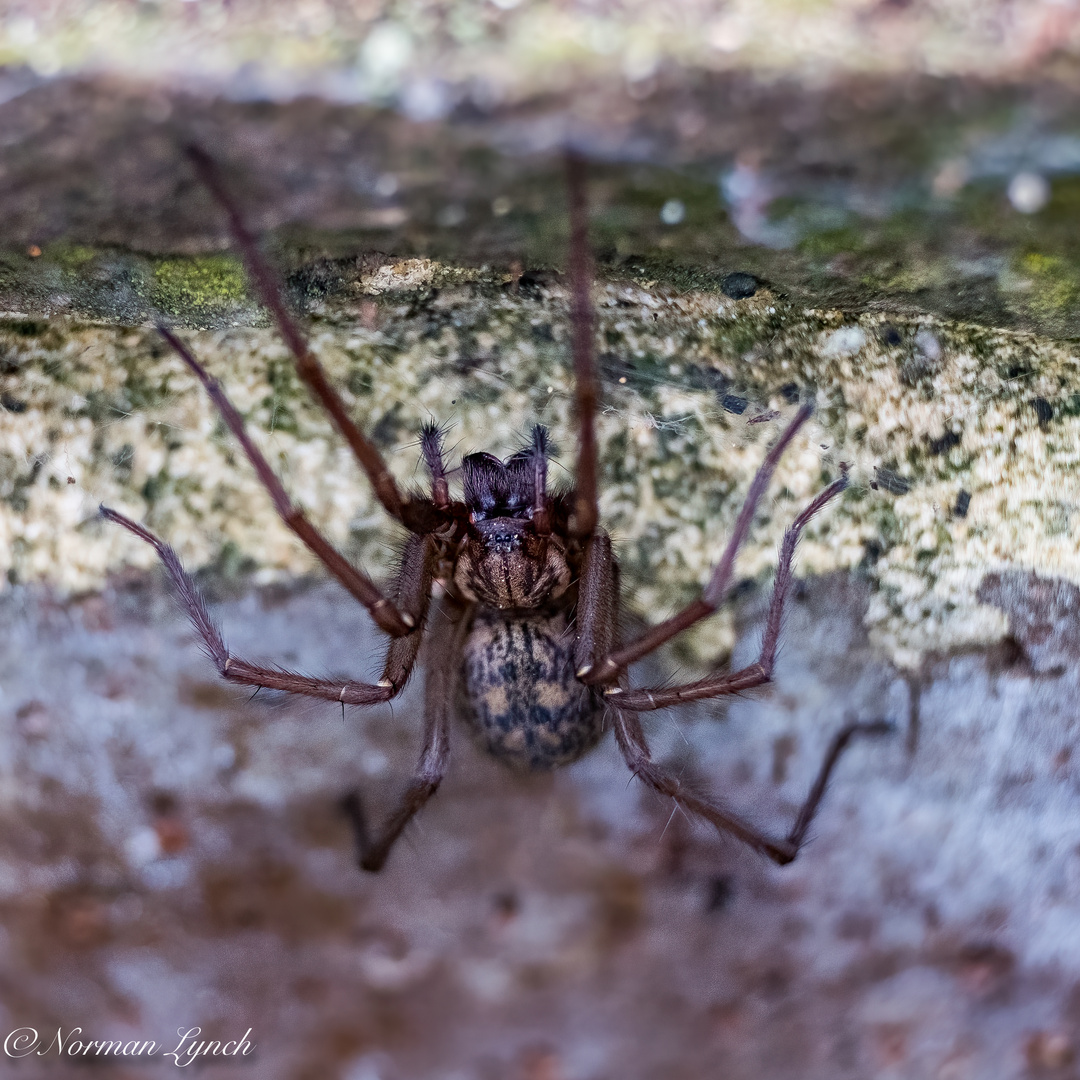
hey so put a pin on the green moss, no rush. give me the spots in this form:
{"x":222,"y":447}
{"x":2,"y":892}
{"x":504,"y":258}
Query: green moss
{"x":202,"y":287}
{"x":1056,"y":283}
{"x":70,"y":256}
{"x":830,"y":242}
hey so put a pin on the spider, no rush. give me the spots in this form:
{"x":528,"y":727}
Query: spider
{"x":531,"y":656}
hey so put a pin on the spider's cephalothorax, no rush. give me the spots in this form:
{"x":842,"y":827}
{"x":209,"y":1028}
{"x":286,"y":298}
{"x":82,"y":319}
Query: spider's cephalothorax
{"x":527,"y":647}
{"x":513,"y":556}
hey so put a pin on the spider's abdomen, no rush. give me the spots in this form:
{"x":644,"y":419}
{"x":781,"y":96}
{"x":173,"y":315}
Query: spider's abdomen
{"x":521,"y":697}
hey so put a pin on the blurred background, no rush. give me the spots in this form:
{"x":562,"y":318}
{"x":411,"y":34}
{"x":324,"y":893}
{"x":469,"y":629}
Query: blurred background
{"x":871,"y":205}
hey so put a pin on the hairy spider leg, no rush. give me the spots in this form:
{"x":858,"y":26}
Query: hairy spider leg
{"x":628,"y":702}
{"x":410,"y":512}
{"x":586,"y":512}
{"x":598,"y":588}
{"x":423,"y":517}
{"x":643,"y":699}
{"x":635,"y":751}
{"x":383,"y":611}
{"x":598,"y":606}
{"x":431,"y":447}
{"x":598,"y":602}
{"x":541,"y":518}
{"x":416,"y":573}
{"x":607,"y":669}
{"x":442,"y":663}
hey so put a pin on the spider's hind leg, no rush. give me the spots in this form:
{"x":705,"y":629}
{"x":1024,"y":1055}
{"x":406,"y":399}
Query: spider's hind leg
{"x":635,"y":750}
{"x":443,"y":662}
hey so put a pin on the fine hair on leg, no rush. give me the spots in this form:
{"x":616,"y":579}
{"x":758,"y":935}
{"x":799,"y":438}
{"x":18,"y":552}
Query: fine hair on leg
{"x":644,"y":699}
{"x":635,"y":751}
{"x":441,"y":667}
{"x":607,"y":670}
{"x":400,"y":658}
{"x":382,"y":610}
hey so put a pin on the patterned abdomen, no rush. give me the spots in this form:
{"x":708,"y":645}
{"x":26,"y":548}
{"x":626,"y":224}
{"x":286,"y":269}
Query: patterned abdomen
{"x":521,"y":697}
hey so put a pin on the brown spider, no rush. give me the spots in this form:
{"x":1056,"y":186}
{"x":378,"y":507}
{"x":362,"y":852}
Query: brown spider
{"x":532,"y":658}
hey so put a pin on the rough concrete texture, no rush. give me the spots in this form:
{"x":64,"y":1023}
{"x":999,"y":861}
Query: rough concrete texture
{"x":172,"y":856}
{"x":961,"y":440}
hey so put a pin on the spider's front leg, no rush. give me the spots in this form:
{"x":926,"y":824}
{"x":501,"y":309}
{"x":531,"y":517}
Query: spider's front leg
{"x":383,"y":610}
{"x":586,"y":506}
{"x":643,"y":699}
{"x":599,"y":659}
{"x":606,"y":671}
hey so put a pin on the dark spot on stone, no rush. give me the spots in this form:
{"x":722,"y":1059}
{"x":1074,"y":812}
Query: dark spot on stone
{"x":1006,"y":655}
{"x":12,"y":404}
{"x":743,"y":589}
{"x":915,"y":369}
{"x":783,"y":749}
{"x":946,"y":442}
{"x":26,"y":327}
{"x":734,"y":404}
{"x":983,"y":967}
{"x":530,"y":284}
{"x":384,"y":434}
{"x":739,"y":286}
{"x":872,"y":549}
{"x":856,"y":926}
{"x":542,"y":332}
{"x":1016,"y":371}
{"x":466,"y":363}
{"x":890,"y":335}
{"x":1043,"y":410}
{"x":720,"y":893}
{"x":963,"y":501}
{"x":506,"y":904}
{"x":316,"y":281}
{"x":893,"y":483}
{"x":772,"y":983}
{"x":790,"y":393}
{"x":707,"y":378}
{"x":360,"y":383}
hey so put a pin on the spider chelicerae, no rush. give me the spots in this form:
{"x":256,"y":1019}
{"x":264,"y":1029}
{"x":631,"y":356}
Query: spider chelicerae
{"x":530,"y":656}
